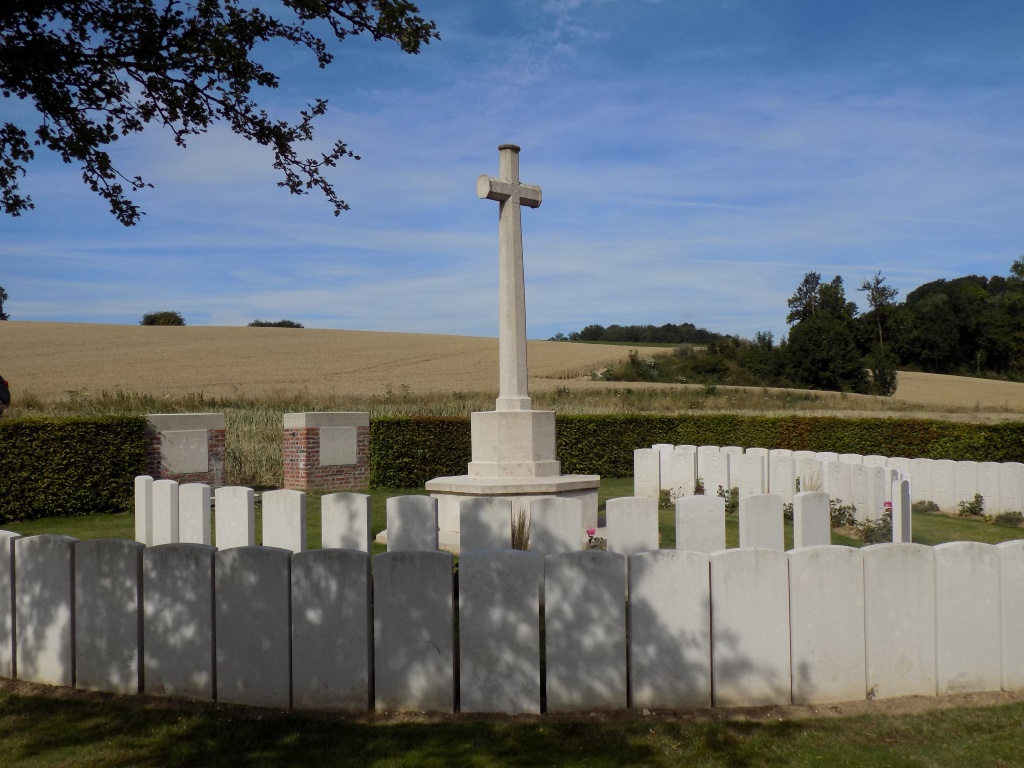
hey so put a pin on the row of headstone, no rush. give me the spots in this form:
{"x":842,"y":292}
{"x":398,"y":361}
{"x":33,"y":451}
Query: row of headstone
{"x":865,"y":482}
{"x":663,"y":629}
{"x":166,"y":513}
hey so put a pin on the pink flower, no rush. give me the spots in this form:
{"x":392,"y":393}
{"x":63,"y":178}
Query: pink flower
{"x":591,"y":531}
{"x":888,"y":505}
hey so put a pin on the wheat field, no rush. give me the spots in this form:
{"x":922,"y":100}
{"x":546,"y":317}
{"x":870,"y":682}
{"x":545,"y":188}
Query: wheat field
{"x":310,"y":368}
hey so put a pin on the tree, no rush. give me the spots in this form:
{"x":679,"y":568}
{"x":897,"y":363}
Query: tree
{"x":275,"y":324}
{"x":3,"y":298}
{"x":881,"y":299}
{"x":97,"y":70}
{"x":804,"y":303}
{"x":162,"y":318}
{"x":822,"y":350}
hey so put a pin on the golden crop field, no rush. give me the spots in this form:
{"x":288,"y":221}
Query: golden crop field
{"x":52,"y":362}
{"x":49,"y":360}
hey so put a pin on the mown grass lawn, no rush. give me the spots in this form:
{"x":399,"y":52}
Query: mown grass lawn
{"x":39,"y":729}
{"x":927,"y":528}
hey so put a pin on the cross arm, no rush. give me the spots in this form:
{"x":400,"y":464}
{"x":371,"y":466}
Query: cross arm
{"x":489,"y":188}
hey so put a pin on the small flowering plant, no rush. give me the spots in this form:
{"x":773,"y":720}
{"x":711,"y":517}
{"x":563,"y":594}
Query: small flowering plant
{"x":594,"y":541}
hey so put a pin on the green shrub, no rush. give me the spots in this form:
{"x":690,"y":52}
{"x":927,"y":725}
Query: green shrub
{"x":1008,"y":518}
{"x":275,"y":324}
{"x":876,"y":531}
{"x":162,"y":318}
{"x":77,"y":466}
{"x":973,"y":508}
{"x":929,"y":507}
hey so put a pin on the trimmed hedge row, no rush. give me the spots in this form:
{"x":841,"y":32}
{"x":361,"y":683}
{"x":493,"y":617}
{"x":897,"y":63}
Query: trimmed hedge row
{"x":84,"y":465}
{"x":75,"y":466}
{"x":405,"y":453}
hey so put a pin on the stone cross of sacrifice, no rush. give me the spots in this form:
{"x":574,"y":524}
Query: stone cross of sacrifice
{"x":513,"y":392}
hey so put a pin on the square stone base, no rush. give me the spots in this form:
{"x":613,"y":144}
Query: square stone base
{"x":518,"y":444}
{"x":520,"y":490}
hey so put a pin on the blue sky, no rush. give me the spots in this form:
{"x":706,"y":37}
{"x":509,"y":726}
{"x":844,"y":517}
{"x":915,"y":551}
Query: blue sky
{"x":696,"y":157}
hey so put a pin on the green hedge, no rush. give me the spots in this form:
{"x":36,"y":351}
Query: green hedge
{"x":78,"y":466}
{"x":405,"y":453}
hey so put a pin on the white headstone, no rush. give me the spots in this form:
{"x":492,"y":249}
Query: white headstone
{"x":499,"y":631}
{"x":1011,"y":594}
{"x":899,"y":620}
{"x":284,"y":520}
{"x":810,"y":472}
{"x":713,"y":469}
{"x":682,"y":470}
{"x":332,"y":632}
{"x":748,"y":474}
{"x":144,"y":509}
{"x":874,"y":460}
{"x":700,"y":524}
{"x":839,"y":482}
{"x":646,"y":473}
{"x":669,"y":630}
{"x":108,"y":615}
{"x":7,"y":540}
{"x":750,"y":628}
{"x":921,"y":475}
{"x":413,"y":651}
{"x":585,"y":630}
{"x":860,"y":482}
{"x":782,"y":475}
{"x":900,"y":464}
{"x":485,"y":523}
{"x":851,"y":458}
{"x":826,"y":598}
{"x":944,"y":484}
{"x":664,"y":456}
{"x":1011,"y":486}
{"x":632,"y":525}
{"x":235,"y":517}
{"x":556,"y":525}
{"x":345,"y":521}
{"x":178,"y":620}
{"x":412,"y":524}
{"x":966,"y":480}
{"x":824,"y":456}
{"x":902,"y":519}
{"x":805,"y":455}
{"x":877,"y":483}
{"x":987,"y":484}
{"x":967,"y":607}
{"x":44,"y":609}
{"x":812,"y":522}
{"x":679,"y":470}
{"x":253,"y":636}
{"x":165,"y":512}
{"x":194,"y":514}
{"x":761,"y":522}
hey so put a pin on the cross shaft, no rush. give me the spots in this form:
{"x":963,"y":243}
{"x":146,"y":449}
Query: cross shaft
{"x":511,"y":194}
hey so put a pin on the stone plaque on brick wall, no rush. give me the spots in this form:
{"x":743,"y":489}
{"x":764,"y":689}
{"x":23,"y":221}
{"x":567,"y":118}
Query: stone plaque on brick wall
{"x":185,"y":451}
{"x":338,"y":445}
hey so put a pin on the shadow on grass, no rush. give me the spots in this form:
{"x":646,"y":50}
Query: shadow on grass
{"x":45,"y":727}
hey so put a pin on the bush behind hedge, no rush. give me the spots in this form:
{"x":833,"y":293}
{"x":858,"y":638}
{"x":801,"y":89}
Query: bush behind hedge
{"x":74,"y":466}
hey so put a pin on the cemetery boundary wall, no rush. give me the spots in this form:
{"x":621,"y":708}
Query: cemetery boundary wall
{"x":669,"y":629}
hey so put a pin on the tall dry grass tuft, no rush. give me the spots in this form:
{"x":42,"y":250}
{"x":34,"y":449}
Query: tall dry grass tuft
{"x":521,"y":531}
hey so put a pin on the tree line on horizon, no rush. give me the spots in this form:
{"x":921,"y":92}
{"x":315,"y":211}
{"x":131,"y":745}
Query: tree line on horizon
{"x":965,"y":326}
